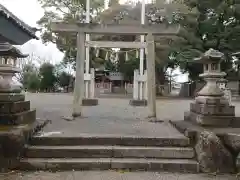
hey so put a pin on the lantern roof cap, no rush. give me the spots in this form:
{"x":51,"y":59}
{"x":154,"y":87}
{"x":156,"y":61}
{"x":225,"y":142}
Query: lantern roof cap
{"x":211,"y":55}
{"x":6,"y":49}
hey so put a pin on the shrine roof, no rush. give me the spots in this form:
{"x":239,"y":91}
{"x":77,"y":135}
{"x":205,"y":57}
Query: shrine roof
{"x":7,"y":49}
{"x":10,"y":16}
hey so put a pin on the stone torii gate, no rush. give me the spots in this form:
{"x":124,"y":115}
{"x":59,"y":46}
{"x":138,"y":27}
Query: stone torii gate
{"x":81,"y":29}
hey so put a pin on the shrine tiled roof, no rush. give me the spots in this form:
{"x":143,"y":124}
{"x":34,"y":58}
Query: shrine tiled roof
{"x":9,"y":15}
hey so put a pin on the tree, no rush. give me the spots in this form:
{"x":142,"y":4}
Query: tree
{"x":128,"y":68}
{"x":48,"y":77}
{"x":66,"y":11}
{"x":33,"y":82}
{"x":64,"y":79}
{"x":215,"y":26}
{"x":113,"y":3}
{"x":30,"y":77}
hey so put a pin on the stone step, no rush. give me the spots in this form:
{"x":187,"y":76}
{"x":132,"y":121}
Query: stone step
{"x":170,"y":165}
{"x":108,"y":152}
{"x":110,"y":140}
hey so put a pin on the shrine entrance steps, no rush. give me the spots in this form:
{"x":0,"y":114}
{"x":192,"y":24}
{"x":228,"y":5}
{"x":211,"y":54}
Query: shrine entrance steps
{"x":109,"y":152}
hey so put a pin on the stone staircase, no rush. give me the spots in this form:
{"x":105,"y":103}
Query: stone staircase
{"x":104,"y":153}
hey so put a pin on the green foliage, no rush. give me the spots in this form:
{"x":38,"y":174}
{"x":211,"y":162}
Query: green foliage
{"x":64,"y":79}
{"x":110,"y":66}
{"x":205,"y":24}
{"x":217,"y":25}
{"x":113,"y":2}
{"x":66,"y":11}
{"x":30,"y":78}
{"x":128,"y":68}
{"x":33,"y":82}
{"x":48,"y":77}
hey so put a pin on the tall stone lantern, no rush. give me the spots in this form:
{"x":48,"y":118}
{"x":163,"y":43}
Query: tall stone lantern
{"x":211,"y":108}
{"x":14,"y":110}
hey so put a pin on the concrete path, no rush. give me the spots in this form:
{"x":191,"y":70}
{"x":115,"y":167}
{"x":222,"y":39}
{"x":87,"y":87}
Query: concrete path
{"x":57,"y":105}
{"x":111,"y":117}
{"x":111,"y":175}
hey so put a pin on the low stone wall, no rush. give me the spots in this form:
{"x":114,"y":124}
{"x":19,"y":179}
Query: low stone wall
{"x":216,"y":150}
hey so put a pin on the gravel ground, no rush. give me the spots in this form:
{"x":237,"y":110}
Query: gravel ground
{"x":111,"y":175}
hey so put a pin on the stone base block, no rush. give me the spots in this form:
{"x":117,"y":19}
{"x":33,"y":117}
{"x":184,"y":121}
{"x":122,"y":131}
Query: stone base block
{"x":236,"y":122}
{"x":14,"y":107}
{"x":90,"y":102}
{"x":211,"y":100}
{"x":134,"y":102}
{"x":212,"y":109}
{"x":206,"y":120}
{"x":11,"y":97}
{"x":25,"y":117}
{"x":13,"y":141}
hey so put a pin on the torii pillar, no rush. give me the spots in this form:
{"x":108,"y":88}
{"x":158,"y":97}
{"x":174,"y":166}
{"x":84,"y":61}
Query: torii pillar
{"x":89,"y":75}
{"x":79,"y":79}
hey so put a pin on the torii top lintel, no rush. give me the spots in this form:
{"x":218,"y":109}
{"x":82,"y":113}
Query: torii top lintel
{"x":91,"y":28}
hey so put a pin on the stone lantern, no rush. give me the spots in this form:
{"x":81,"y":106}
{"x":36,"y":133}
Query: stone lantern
{"x":211,"y":73}
{"x":211,"y":108}
{"x":14,"y":110}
